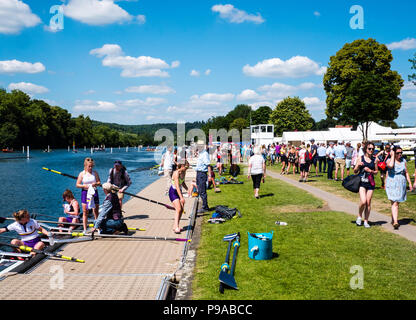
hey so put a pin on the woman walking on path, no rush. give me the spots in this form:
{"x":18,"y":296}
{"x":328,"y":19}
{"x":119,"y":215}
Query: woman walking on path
{"x":396,"y":183}
{"x":88,"y":180}
{"x":257,"y":170}
{"x":292,"y":160}
{"x":383,"y":156}
{"x":283,"y":157}
{"x":304,"y":164}
{"x":367,"y":167}
{"x":175,"y":193}
{"x":355,"y":155}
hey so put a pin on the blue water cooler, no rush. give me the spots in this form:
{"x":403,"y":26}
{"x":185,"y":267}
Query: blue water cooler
{"x":260,"y":246}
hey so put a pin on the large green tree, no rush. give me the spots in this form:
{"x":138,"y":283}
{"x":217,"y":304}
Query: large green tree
{"x":240,"y":111}
{"x":261,"y":115}
{"x":360,"y":85}
{"x":239,"y":124}
{"x":291,"y":114}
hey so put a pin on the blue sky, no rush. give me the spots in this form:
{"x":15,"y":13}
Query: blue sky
{"x":148,"y":61}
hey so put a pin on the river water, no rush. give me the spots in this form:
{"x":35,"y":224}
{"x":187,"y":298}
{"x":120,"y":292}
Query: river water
{"x":25,"y":185}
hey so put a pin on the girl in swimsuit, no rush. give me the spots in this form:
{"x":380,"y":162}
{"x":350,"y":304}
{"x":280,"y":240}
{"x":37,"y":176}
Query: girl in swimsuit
{"x":175,"y":193}
{"x":88,"y":178}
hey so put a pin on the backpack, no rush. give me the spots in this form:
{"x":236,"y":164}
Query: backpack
{"x":123,"y":178}
{"x":308,"y":157}
{"x":227,"y":213}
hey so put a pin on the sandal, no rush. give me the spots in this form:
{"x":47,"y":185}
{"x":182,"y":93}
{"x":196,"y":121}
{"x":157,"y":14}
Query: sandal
{"x":396,"y":226}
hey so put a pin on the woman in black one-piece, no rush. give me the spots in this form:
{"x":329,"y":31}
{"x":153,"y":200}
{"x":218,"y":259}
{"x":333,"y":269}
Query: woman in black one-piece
{"x":367,"y":167}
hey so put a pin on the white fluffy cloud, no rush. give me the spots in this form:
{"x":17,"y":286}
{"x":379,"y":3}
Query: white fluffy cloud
{"x":138,"y":103}
{"x":234,"y":15}
{"x":211,"y":99}
{"x":28,"y":88}
{"x":121,"y":105}
{"x":99,"y":12}
{"x":16,"y":66}
{"x":273,"y":92}
{"x":89,"y":105}
{"x":151,"y":89}
{"x":408,"y":85}
{"x":16,"y":15}
{"x":195,"y":73}
{"x":314,"y":103}
{"x":406,"y":44}
{"x":132,"y":67}
{"x":295,"y":67}
{"x":247,"y":95}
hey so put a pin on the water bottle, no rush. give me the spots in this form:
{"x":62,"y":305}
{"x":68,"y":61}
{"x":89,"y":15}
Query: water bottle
{"x":279,"y":223}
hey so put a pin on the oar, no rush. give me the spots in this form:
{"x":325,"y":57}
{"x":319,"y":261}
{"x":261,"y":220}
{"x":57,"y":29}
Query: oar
{"x":113,"y":236}
{"x":14,"y":254}
{"x":3,"y":219}
{"x":127,"y":193}
{"x":29,"y":249}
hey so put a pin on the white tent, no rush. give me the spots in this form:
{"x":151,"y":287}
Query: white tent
{"x":376,"y":133}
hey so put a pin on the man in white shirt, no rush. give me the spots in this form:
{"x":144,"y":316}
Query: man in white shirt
{"x":202,"y":168}
{"x":322,"y":157}
{"x":340,"y":156}
{"x":330,"y":154}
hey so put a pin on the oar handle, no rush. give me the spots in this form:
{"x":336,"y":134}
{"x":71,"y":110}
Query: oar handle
{"x":127,"y":193}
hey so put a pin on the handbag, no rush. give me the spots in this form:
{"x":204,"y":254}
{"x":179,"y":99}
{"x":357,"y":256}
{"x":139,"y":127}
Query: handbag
{"x":352,"y":183}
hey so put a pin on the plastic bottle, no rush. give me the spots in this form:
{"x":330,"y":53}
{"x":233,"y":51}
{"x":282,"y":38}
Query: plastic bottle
{"x":279,"y":223}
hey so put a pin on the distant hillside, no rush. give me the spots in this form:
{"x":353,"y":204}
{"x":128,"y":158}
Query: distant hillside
{"x":149,"y":129}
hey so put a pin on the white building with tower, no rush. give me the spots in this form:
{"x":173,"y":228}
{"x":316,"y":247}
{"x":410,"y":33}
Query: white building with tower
{"x":262,"y":134}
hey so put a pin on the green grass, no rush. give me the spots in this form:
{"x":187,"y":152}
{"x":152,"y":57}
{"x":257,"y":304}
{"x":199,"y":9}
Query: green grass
{"x":380,"y":203}
{"x":315,"y":251}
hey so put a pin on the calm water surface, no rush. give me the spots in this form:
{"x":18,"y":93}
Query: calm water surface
{"x":25,"y":185}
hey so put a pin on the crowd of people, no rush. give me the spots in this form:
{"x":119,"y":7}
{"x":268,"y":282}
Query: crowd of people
{"x":336,"y":159}
{"x":339,"y":160}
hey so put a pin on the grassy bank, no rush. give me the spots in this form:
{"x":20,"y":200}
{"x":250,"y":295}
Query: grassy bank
{"x":313,"y":254}
{"x":407,"y":211}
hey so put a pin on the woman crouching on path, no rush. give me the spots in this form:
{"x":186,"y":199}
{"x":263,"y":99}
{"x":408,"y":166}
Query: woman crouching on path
{"x":367,"y":167}
{"x":88,"y":180}
{"x":396,"y":180}
{"x":175,"y":193}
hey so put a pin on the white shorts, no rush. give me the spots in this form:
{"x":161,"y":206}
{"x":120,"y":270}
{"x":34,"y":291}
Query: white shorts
{"x":348,"y":163}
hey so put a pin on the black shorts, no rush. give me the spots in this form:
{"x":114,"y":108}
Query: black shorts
{"x":256,"y":180}
{"x":304,"y":167}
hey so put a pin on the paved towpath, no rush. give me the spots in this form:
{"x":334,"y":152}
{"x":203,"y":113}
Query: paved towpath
{"x":336,"y":203}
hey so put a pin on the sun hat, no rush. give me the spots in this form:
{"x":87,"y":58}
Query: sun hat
{"x":108,"y":186}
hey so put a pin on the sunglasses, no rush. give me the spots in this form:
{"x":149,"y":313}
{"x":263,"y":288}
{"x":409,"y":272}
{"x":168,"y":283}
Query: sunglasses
{"x":399,"y":152}
{"x":370,"y":149}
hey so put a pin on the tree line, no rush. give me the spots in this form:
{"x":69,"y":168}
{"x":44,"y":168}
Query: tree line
{"x":31,"y":122}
